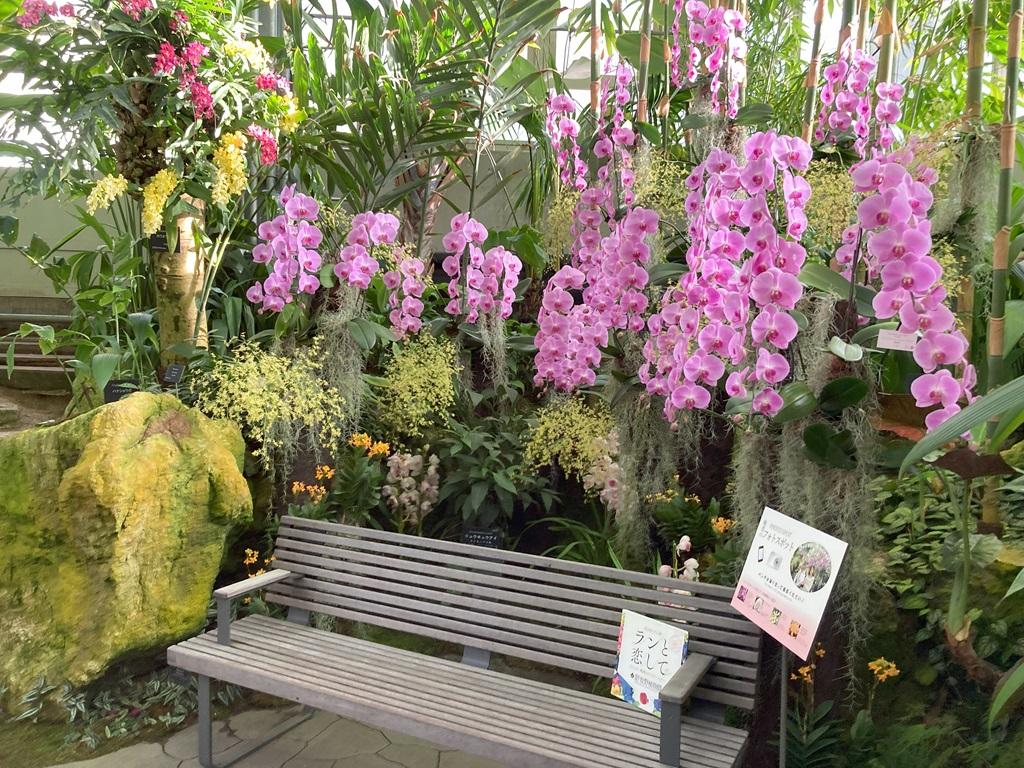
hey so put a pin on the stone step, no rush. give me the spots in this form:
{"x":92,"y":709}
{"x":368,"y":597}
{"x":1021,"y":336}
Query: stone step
{"x":41,"y":378}
{"x":12,"y":321}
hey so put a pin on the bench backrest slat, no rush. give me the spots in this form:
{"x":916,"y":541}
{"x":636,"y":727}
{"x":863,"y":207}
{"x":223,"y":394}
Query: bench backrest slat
{"x":540,"y":609}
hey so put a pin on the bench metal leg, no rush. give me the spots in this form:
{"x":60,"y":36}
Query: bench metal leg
{"x":237,"y":752}
{"x":476,"y":657}
{"x":671,"y":733}
{"x":205,"y":724}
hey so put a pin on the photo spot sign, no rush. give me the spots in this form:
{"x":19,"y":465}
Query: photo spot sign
{"x":787,"y":579}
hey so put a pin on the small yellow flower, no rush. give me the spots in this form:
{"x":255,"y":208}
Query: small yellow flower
{"x":229,"y":178}
{"x":883,"y":669}
{"x":316,"y":493}
{"x":722,"y":525}
{"x":324,"y":472}
{"x":107,"y":189}
{"x":804,"y":674}
{"x":290,"y":120}
{"x":154,"y":199}
{"x":379,"y":449}
{"x":298,"y":487}
{"x":251,"y":556}
{"x":819,"y":651}
{"x":361,"y":440}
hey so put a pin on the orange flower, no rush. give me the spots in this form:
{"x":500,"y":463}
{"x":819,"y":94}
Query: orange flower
{"x":379,"y":449}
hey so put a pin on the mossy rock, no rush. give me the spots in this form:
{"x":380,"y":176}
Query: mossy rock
{"x":112,"y":528}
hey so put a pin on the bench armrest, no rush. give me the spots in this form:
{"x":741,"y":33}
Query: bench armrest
{"x":678,"y":689}
{"x":225,"y":595}
{"x":673,"y":695}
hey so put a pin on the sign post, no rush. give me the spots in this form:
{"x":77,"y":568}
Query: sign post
{"x":784,"y":589}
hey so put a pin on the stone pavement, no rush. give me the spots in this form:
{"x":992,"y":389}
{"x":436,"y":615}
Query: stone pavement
{"x":324,"y":741}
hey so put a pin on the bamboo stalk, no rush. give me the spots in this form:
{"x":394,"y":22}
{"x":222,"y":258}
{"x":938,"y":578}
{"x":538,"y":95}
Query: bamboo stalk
{"x":646,"y":21}
{"x":862,"y":23}
{"x":811,"y":82}
{"x":1001,"y":247}
{"x":976,"y":58}
{"x":595,"y":47}
{"x":846,"y":24}
{"x":990,"y":517}
{"x":886,"y":50}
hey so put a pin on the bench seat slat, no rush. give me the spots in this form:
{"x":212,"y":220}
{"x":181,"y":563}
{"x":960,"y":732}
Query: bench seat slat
{"x":495,"y":682}
{"x":297,"y":661}
{"x":558,"y":724}
{"x":706,"y":691}
{"x":596,"y":571}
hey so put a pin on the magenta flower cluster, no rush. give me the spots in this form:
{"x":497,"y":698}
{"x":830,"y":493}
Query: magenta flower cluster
{"x":135,"y":8}
{"x":609,"y":273}
{"x":491,"y":276}
{"x":892,"y":222}
{"x":267,"y":142}
{"x":716,"y":43}
{"x":33,"y":11}
{"x":891,"y":237}
{"x":563,"y":131}
{"x":741,"y":284}
{"x":186,"y":62}
{"x":288,"y":245}
{"x":356,"y":264}
{"x":406,"y":283}
{"x":846,"y":102}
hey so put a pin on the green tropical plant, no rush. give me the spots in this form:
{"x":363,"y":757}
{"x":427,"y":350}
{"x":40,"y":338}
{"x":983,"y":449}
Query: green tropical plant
{"x":483,"y":478}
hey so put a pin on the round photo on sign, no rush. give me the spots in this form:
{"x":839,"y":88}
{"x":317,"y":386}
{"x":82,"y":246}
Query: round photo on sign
{"x":810,"y":567}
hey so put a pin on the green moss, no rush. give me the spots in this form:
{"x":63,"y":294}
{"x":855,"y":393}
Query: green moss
{"x":112,"y":527}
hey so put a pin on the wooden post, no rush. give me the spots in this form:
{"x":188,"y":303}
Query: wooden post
{"x":862,"y":23}
{"x":179,"y":288}
{"x":811,"y":82}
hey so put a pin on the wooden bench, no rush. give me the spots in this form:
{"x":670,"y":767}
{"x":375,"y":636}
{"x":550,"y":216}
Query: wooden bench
{"x":551,"y":612}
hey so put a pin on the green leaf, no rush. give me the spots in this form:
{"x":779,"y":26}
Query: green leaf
{"x":1009,"y":692}
{"x":1013,"y":313}
{"x":822,"y":278}
{"x":869,"y":333}
{"x":38,"y":249}
{"x":851,"y":353}
{"x":9,"y":229}
{"x":103,"y":365}
{"x":649,"y":132}
{"x":752,"y":114}
{"x":666,"y":272}
{"x":842,"y":393}
{"x":477,"y":493}
{"x":798,"y":402}
{"x":824,"y":445}
{"x":1008,"y":398}
{"x":1017,"y":585}
{"x":363,"y":332}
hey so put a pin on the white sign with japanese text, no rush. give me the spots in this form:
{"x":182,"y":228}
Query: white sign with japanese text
{"x":650,"y":652}
{"x":787,"y":579}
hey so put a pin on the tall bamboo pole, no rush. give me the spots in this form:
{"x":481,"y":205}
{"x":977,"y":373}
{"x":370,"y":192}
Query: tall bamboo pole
{"x":595,"y":47}
{"x":646,"y":21}
{"x":1001,"y":249}
{"x":846,"y":24}
{"x":976,"y":58}
{"x":811,"y":82}
{"x":862,"y":23}
{"x":886,"y":50}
